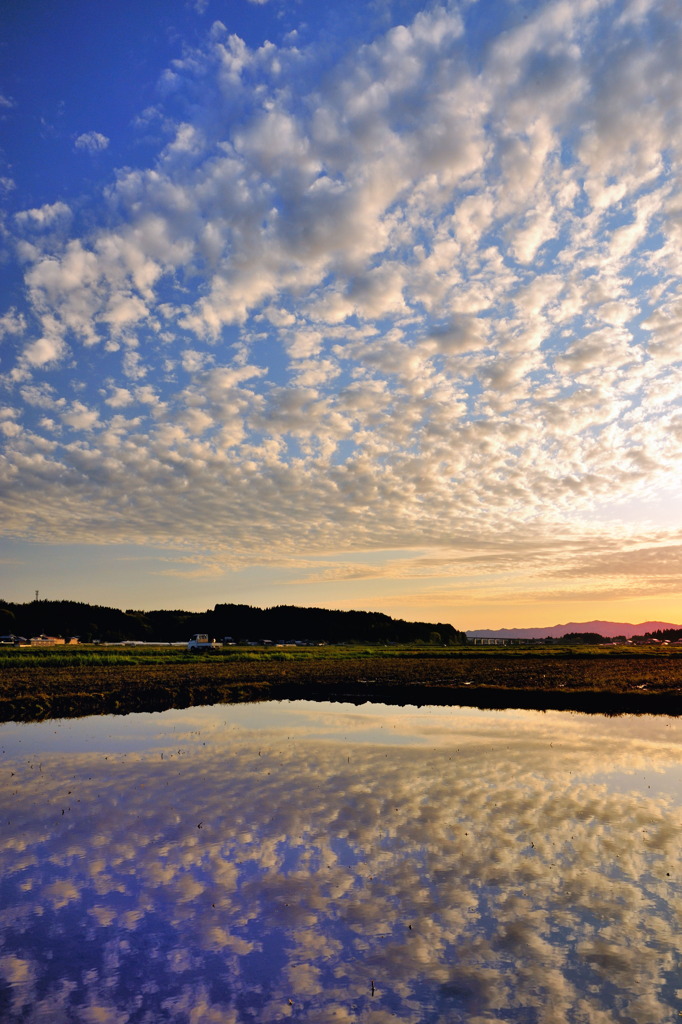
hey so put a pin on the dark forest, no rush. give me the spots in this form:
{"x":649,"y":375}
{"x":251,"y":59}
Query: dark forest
{"x":240,"y":622}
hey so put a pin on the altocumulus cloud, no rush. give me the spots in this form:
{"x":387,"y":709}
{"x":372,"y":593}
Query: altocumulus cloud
{"x":415,"y":292}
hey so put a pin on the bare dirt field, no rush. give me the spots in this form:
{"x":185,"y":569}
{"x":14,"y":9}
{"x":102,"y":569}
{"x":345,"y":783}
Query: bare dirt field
{"x":59,"y":684}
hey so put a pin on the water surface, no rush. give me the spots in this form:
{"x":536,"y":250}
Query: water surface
{"x":325,"y":863}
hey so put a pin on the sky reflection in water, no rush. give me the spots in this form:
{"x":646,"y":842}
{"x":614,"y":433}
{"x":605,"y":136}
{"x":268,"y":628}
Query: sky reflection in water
{"x":328,"y":863}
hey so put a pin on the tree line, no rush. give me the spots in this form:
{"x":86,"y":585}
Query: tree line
{"x":674,"y":633}
{"x":240,"y":621}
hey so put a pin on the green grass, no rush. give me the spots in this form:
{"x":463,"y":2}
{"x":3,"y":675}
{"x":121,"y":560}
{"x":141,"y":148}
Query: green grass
{"x":95,"y":656}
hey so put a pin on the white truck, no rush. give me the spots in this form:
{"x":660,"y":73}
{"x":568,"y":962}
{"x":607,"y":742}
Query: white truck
{"x":200,"y":642}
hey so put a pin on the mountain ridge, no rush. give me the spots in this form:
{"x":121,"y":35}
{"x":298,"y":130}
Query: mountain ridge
{"x":607,"y":629}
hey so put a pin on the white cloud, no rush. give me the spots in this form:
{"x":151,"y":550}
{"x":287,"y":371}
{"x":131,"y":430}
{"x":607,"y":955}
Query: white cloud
{"x":79,"y":417}
{"x":44,"y":350}
{"x":11,"y":323}
{"x":119,"y":398}
{"x":44,"y":216}
{"x":92,"y":142}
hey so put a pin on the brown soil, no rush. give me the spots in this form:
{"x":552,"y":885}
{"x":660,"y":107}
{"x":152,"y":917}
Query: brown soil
{"x":606,"y":684}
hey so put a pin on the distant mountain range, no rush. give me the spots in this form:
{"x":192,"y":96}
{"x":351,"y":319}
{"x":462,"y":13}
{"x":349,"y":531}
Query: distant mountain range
{"x":608,"y":629}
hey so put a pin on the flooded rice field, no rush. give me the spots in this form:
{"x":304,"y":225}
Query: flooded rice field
{"x":331,"y":863}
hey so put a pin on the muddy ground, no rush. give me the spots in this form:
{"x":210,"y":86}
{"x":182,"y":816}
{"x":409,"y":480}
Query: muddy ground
{"x":592,"y":683}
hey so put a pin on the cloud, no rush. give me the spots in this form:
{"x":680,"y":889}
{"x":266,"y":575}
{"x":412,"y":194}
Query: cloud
{"x":92,"y":142}
{"x":44,"y":350}
{"x":460,"y":334}
{"x":79,"y":417}
{"x":11,"y":323}
{"x":44,"y":216}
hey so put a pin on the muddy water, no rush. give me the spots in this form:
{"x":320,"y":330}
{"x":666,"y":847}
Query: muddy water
{"x":327,"y":863}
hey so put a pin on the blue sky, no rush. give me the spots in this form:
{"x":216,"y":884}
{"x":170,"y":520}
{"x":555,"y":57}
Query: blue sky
{"x":371,"y":307}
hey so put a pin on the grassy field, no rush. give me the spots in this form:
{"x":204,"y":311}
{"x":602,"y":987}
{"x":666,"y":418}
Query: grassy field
{"x":41,"y":683}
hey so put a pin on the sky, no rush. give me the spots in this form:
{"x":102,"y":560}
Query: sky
{"x":376,"y":306}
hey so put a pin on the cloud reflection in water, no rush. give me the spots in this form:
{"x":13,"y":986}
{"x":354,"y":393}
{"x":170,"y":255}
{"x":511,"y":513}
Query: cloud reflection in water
{"x":471,"y":867}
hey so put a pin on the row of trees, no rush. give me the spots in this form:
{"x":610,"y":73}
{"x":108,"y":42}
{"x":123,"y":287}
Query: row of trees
{"x":241,"y":621}
{"x":582,"y":638}
{"x":665,"y":634}
{"x":658,"y":636}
